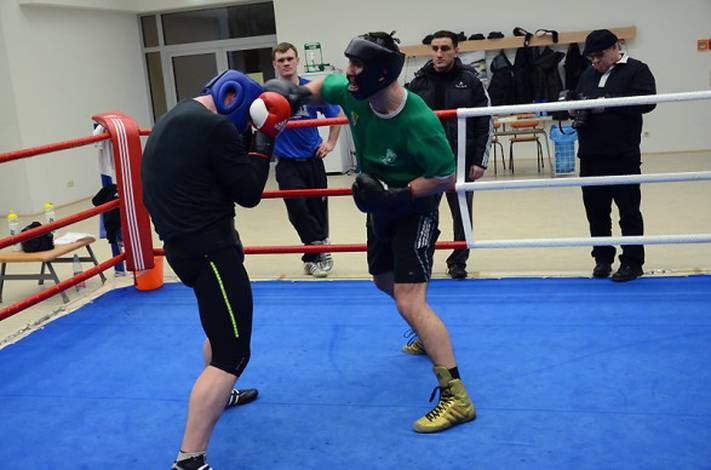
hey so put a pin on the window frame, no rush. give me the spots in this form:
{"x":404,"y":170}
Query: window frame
{"x":220,"y":47}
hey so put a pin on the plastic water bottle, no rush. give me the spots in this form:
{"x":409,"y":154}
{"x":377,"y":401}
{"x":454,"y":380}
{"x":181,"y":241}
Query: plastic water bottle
{"x":12,"y":224}
{"x":49,"y":215}
{"x":76,"y":268}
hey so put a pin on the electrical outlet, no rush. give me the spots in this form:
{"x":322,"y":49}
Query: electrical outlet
{"x":70,"y":184}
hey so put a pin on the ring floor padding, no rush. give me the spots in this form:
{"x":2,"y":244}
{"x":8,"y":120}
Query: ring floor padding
{"x":565,"y":373}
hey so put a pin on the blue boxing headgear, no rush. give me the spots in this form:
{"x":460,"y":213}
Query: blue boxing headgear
{"x":245,"y":89}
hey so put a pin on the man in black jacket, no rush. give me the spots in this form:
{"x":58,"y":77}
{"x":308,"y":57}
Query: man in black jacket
{"x":445,"y":83}
{"x":609,"y":145}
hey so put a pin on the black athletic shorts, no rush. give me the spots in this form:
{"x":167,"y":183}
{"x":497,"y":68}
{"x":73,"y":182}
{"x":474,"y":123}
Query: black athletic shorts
{"x":224,"y":297}
{"x":403,"y":245}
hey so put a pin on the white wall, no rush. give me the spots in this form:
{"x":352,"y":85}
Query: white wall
{"x":65,"y":66}
{"x":666,"y":40}
{"x":14,"y":192}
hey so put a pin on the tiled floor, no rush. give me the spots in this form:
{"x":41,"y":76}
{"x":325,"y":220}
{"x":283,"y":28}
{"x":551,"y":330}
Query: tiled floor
{"x":674,"y":208}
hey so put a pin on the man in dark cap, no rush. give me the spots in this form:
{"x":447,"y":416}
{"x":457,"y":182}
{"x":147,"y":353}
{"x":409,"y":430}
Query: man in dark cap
{"x":609,"y":145}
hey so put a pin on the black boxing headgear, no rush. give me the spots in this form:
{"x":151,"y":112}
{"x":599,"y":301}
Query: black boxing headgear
{"x":381,"y":66}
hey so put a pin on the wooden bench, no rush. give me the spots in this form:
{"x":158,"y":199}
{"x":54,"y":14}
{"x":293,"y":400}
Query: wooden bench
{"x":47,"y":258}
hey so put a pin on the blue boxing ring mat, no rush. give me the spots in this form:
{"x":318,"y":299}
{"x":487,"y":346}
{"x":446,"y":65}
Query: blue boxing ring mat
{"x":566,"y":373}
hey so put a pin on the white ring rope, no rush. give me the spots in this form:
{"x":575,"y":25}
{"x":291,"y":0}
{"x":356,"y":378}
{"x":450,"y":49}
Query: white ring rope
{"x":585,"y":181}
{"x":462,"y":187}
{"x":594,"y":241}
{"x":585,"y":104}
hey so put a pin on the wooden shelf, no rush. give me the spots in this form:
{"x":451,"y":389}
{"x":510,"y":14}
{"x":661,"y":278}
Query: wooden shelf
{"x":514,"y":42}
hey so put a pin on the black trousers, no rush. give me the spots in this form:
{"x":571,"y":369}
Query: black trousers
{"x":598,"y":206}
{"x":309,"y":216}
{"x":458,"y":257}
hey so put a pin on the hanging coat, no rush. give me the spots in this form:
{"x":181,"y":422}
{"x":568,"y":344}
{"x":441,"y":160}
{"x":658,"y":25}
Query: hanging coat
{"x":524,"y":71}
{"x":574,"y":66}
{"x":501,"y":84}
{"x":548,"y":82}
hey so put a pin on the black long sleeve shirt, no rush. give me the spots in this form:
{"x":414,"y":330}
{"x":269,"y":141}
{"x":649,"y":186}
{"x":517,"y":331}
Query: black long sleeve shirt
{"x":615,"y":132}
{"x":194,"y":169}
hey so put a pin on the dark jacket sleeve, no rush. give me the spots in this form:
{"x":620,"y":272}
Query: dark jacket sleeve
{"x":642,"y":84}
{"x":415,"y":85}
{"x":240,"y":176}
{"x":479,"y":129}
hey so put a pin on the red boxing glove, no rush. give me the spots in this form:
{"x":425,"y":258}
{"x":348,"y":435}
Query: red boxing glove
{"x":270,"y":113}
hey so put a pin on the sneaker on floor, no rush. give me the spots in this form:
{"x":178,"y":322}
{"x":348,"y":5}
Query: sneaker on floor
{"x":414,"y":344}
{"x":627,"y":273}
{"x":326,"y":262}
{"x":602,"y":270}
{"x":193,"y":463}
{"x":314,"y":268}
{"x":241,"y":397}
{"x":454,"y":407}
{"x":457,"y":272}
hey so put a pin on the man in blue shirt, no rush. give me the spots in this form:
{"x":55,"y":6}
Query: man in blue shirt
{"x":300,"y":153}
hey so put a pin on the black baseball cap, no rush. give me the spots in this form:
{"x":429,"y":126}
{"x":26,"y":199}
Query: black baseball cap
{"x":599,"y":40}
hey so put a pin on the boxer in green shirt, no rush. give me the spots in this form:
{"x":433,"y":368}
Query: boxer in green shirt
{"x":406,"y":165}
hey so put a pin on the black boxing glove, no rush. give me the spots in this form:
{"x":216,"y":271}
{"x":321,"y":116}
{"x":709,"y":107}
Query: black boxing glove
{"x":296,"y":95}
{"x":370,"y":195}
{"x":262,"y":146}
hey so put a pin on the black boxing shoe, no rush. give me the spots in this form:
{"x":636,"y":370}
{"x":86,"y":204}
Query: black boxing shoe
{"x":602,"y":270}
{"x":241,"y":397}
{"x":627,"y":273}
{"x":457,"y":272}
{"x":193,"y":463}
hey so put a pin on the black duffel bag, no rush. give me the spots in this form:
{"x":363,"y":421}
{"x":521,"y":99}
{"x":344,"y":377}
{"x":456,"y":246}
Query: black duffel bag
{"x":43,"y":242}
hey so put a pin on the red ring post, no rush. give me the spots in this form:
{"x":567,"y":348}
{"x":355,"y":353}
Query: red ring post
{"x":135,"y":223}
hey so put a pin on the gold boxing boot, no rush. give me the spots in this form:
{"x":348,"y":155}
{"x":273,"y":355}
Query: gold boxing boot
{"x":414,"y":344}
{"x":454,"y":407}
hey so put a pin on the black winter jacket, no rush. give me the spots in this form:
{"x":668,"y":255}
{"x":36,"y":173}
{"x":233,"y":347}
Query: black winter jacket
{"x":574,"y":66}
{"x":548,"y":82}
{"x":458,"y":88}
{"x":615,"y":132}
{"x":501,"y":84}
{"x":524,"y":70}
